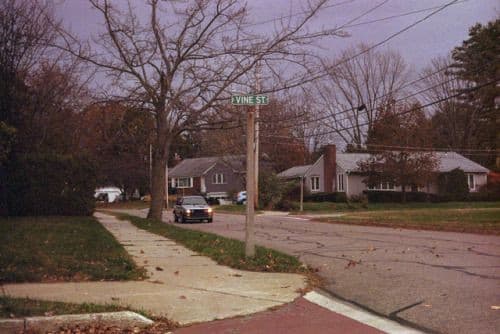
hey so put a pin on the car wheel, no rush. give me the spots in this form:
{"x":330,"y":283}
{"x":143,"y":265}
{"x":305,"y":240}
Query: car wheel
{"x":210,"y":220}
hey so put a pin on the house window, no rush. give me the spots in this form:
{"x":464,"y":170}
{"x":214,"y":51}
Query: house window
{"x":383,"y":186}
{"x":340,"y":182}
{"x":184,"y":182}
{"x":470,"y":180}
{"x":315,"y":183}
{"x":218,"y":178}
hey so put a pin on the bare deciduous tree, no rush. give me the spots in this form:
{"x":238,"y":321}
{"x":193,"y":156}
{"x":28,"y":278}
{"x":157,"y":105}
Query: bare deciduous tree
{"x":455,"y":123}
{"x":180,"y":60}
{"x":26,"y":30}
{"x":359,"y":84}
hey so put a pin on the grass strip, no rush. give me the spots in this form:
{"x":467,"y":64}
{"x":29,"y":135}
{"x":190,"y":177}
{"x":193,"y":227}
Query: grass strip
{"x":471,"y":220}
{"x":48,"y":249}
{"x":333,"y":207}
{"x":26,"y":307}
{"x":223,"y":250}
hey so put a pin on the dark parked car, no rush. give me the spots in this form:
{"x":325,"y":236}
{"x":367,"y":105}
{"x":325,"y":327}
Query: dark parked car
{"x":192,"y":208}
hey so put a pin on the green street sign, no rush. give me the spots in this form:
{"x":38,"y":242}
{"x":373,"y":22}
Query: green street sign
{"x":249,"y":100}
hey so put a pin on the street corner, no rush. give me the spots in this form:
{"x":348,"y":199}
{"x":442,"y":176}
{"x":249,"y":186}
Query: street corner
{"x":311,"y":313}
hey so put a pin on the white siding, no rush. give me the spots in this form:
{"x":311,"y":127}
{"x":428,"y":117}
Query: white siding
{"x":355,"y":185}
{"x":480,"y":179}
{"x":316,"y":170}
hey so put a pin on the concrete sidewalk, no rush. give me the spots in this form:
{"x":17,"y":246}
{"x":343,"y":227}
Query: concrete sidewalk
{"x":183,"y":286}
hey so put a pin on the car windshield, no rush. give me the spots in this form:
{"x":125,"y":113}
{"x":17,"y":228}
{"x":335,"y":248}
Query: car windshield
{"x":194,"y":201}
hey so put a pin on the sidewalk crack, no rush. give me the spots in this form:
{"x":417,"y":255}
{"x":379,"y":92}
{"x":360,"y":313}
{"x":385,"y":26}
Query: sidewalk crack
{"x":233,"y":294}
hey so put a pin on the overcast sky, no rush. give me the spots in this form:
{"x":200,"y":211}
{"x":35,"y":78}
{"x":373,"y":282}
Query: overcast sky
{"x":435,"y":37}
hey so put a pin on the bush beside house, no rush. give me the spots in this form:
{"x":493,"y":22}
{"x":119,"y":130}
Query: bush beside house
{"x":452,"y":186}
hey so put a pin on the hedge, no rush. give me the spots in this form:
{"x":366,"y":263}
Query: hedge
{"x":50,"y":184}
{"x":326,"y":197}
{"x":377,"y":196}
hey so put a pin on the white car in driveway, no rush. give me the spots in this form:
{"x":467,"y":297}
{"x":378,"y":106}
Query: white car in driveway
{"x":241,"y":197}
{"x":108,"y":194}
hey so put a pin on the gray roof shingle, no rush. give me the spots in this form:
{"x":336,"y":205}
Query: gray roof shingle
{"x":451,"y":160}
{"x":196,"y":167}
{"x":294,"y":172}
{"x":447,"y":162}
{"x":349,"y":163}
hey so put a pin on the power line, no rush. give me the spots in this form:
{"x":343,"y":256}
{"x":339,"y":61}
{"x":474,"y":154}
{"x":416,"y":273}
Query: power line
{"x":368,"y":150}
{"x":351,"y":109}
{"x":292,"y":118}
{"x":406,"y":111}
{"x":386,"y":18}
{"x":326,"y":72}
{"x":292,"y":15}
{"x":318,"y":76}
{"x":378,"y":98}
{"x":443,"y":149}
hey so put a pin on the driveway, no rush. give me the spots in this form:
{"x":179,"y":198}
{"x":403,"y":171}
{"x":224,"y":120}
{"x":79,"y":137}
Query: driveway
{"x":440,"y":281}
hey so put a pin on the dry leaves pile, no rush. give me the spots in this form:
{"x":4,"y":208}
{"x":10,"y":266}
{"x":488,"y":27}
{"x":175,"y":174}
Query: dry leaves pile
{"x":159,"y":327}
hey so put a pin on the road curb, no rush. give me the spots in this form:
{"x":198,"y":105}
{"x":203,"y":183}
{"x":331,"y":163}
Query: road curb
{"x":125,"y":319}
{"x":356,"y":313}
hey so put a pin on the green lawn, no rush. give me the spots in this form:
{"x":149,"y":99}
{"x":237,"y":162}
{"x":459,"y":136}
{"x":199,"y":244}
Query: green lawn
{"x":25,"y":307}
{"x":474,"y":218}
{"x":329,"y":207}
{"x":231,"y":208}
{"x":224,"y":251}
{"x":124,"y":205}
{"x":44,"y":249}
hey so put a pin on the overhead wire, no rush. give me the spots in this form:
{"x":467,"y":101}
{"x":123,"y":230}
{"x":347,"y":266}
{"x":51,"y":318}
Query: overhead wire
{"x":408,"y":110}
{"x":440,"y":8}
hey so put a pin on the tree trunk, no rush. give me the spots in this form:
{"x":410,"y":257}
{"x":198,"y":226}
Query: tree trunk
{"x":161,"y":149}
{"x":157,"y":187}
{"x":403,"y":191}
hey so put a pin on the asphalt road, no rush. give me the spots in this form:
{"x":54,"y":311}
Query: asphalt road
{"x":440,"y":281}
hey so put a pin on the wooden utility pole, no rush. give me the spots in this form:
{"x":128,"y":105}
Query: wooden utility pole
{"x":301,"y":193}
{"x":257,"y":128}
{"x":249,"y":231}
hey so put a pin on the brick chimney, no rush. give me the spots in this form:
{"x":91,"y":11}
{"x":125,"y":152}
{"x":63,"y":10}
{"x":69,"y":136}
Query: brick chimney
{"x":330,"y":168}
{"x":177,"y":159}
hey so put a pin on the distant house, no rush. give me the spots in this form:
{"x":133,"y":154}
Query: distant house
{"x":214,"y":177}
{"x":339,"y":172}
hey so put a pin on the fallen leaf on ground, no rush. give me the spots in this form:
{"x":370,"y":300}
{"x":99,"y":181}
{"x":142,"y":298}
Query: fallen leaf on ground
{"x":237,"y":275}
{"x":142,"y":252}
{"x":157,"y":282}
{"x":427,"y":305}
{"x":176,"y":272}
{"x":182,"y":297}
{"x":159,"y":268}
